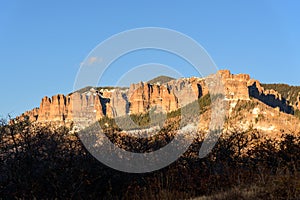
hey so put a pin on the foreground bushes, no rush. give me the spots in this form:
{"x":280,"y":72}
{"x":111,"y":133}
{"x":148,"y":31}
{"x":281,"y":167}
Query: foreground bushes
{"x":47,"y":162}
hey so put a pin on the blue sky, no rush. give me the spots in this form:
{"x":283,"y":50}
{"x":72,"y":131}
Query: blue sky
{"x":42,"y":43}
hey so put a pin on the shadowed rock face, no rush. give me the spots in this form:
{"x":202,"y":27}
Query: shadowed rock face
{"x":298,"y":102}
{"x":269,"y":97}
{"x":142,"y":97}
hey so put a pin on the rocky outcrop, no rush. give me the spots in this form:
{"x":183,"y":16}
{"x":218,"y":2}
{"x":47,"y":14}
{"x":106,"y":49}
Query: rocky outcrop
{"x":32,"y":115}
{"x":142,"y":97}
{"x":118,"y":104}
{"x":52,"y":109}
{"x":84,"y":106}
{"x":269,"y":97}
{"x":44,"y":111}
{"x":187,"y":90}
{"x":235,"y":86}
{"x":62,"y":108}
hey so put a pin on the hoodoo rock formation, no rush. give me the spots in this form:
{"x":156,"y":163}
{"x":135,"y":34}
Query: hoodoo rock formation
{"x":142,"y":97}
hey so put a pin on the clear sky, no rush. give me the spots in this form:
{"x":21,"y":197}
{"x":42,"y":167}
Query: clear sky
{"x":42,"y":43}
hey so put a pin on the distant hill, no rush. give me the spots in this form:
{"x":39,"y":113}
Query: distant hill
{"x":86,"y":89}
{"x":82,"y":90}
{"x":161,"y":80}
